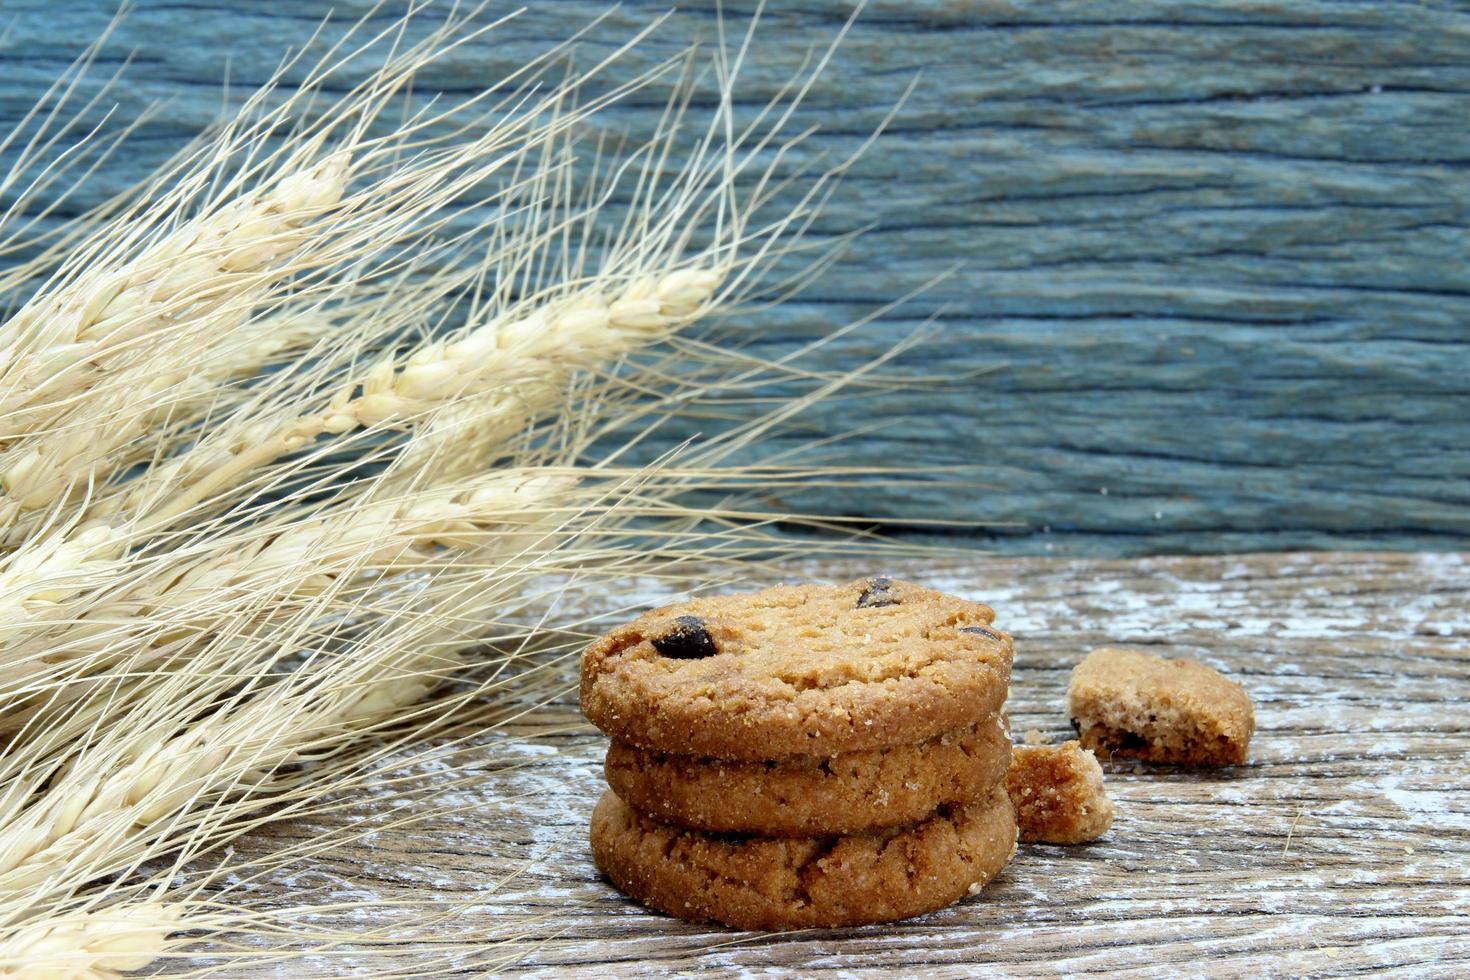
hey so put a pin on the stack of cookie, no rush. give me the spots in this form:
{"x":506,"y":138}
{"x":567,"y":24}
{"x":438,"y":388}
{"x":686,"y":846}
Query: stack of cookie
{"x":803,"y":756}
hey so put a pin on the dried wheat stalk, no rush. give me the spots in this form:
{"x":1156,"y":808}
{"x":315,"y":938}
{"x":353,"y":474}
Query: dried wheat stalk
{"x":108,"y":807}
{"x":155,"y":299}
{"x":199,"y":654}
{"x":139,"y":619}
{"x":469,"y":394}
{"x":523,"y":362}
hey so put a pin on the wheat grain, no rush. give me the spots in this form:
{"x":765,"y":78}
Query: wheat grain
{"x":61,"y":335}
{"x":54,"y":570}
{"x":522,"y":363}
{"x":97,"y":945}
{"x":108,"y":814}
{"x":209,"y":274}
{"x":147,"y":617}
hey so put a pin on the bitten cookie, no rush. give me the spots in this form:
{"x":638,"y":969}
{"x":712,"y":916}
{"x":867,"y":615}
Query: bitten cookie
{"x":1128,"y":703}
{"x":1058,"y":794}
{"x":802,"y":796}
{"x":798,"y":670}
{"x":804,"y":882}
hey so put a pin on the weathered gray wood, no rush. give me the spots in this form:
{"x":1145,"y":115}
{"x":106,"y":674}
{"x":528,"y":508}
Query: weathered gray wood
{"x":1342,"y":847}
{"x":1218,"y":250}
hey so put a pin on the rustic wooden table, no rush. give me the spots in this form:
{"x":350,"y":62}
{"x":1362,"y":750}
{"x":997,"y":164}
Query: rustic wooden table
{"x":1343,"y":847}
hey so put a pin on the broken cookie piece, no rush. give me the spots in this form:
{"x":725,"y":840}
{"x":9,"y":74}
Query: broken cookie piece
{"x":1130,"y":704}
{"x":1058,"y":794}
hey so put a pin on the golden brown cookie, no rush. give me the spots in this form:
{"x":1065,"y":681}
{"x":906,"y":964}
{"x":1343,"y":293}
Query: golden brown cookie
{"x":801,"y":796}
{"x":1058,"y":794}
{"x":1128,"y":703}
{"x":804,"y":882}
{"x":798,"y":670}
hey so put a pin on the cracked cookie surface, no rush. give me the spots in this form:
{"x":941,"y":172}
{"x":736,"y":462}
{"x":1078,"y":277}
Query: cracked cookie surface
{"x":802,"y":670}
{"x":806,"y":795}
{"x":804,"y":882}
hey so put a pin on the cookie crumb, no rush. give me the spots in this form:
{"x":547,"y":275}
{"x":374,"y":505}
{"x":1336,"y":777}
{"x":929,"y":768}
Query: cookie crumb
{"x":1034,"y":737}
{"x":1128,"y":703}
{"x":1058,"y":794}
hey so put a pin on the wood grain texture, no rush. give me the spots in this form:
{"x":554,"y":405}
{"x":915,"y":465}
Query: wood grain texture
{"x":1342,"y":847}
{"x":1215,"y":253}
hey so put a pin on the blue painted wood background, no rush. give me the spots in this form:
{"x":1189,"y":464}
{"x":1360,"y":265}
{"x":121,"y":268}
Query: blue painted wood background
{"x":1216,"y":252}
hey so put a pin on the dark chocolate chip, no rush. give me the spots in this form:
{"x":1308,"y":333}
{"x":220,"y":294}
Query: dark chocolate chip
{"x":877,"y":594}
{"x":688,"y":640}
{"x":983,"y":631}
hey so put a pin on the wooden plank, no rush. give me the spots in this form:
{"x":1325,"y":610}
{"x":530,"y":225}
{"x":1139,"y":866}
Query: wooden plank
{"x":1342,"y":847}
{"x":1216,"y":251}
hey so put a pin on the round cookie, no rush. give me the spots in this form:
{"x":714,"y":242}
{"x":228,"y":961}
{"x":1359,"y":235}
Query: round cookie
{"x":804,"y":882}
{"x":798,"y":670}
{"x":802,"y":796}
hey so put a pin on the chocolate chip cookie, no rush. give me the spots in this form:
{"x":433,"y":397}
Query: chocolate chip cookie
{"x":803,"y":882}
{"x":804,"y":795}
{"x":804,"y":670}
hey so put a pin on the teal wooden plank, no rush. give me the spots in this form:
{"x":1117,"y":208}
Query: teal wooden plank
{"x":1215,"y":252}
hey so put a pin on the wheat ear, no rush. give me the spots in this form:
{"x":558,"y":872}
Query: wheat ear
{"x":98,"y":945}
{"x":153,"y":311}
{"x":205,"y":273}
{"x":506,"y":368}
{"x":103,"y":820}
{"x":389,"y":655}
{"x":60,"y":336}
{"x":160,"y":605}
{"x":505,"y":359}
